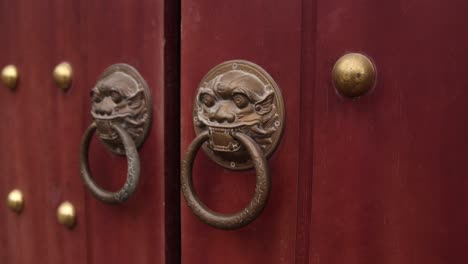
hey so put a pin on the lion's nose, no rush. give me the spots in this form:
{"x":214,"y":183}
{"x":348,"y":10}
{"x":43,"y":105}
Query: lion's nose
{"x":105,"y":107}
{"x":222,"y":116}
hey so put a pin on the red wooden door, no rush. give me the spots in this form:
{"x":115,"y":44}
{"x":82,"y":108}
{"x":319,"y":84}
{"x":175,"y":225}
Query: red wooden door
{"x":379,"y":179}
{"x":42,"y":128}
{"x":389,"y":179}
{"x":38,"y":137}
{"x":270,"y":35}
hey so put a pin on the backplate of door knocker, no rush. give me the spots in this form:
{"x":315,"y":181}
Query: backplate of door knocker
{"x":238,"y":96}
{"x":121,"y":96}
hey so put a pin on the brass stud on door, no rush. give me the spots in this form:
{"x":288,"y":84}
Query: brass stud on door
{"x":15,"y":201}
{"x":63,"y":75}
{"x":10,"y":76}
{"x":66,"y":214}
{"x":354,"y":75}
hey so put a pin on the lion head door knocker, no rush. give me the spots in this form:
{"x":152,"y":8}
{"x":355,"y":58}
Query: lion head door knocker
{"x":238,"y":117}
{"x":121,"y":110}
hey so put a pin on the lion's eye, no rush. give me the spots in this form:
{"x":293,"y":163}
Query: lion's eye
{"x":207,"y":100}
{"x":116,"y":97}
{"x":240,"y":100}
{"x":95,"y":97}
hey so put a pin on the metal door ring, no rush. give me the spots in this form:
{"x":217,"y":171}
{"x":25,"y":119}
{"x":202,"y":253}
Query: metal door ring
{"x":255,"y":206}
{"x":133,"y":172}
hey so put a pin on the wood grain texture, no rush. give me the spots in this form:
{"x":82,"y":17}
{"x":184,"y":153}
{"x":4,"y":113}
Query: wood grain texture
{"x":39,"y":139}
{"x":43,"y":128}
{"x":135,"y":232}
{"x":267,"y":33}
{"x":389,"y":181}
{"x":380,"y":179}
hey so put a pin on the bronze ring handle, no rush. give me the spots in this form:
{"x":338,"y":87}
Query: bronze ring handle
{"x":133,"y":172}
{"x":255,"y":206}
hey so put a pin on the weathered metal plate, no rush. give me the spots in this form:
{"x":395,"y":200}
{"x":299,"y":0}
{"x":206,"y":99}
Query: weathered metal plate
{"x":238,"y":97}
{"x":121,"y":96}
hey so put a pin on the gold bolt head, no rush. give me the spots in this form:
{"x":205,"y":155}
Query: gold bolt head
{"x":15,"y":201}
{"x":66,"y":214}
{"x":354,"y":75}
{"x":63,"y":75}
{"x":10,"y":76}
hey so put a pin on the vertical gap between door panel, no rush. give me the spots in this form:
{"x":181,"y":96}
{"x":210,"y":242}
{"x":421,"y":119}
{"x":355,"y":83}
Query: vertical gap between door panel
{"x":172,"y":24}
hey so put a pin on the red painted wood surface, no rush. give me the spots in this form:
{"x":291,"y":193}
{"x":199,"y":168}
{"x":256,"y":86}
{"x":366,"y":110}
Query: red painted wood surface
{"x":381,"y":179}
{"x":267,"y":33}
{"x":135,"y":232}
{"x":390,"y":170}
{"x":39,"y":139}
{"x":42,"y":129}
{"x":375,"y":180}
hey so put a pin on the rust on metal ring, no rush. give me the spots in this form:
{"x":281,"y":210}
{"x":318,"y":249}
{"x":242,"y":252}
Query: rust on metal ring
{"x":255,"y":206}
{"x":133,"y":172}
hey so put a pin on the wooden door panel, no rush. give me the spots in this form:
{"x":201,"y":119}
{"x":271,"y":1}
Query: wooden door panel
{"x":389,"y":179}
{"x":39,"y":139}
{"x":43,"y":129}
{"x":268,"y":34}
{"x":122,"y":232}
{"x":143,"y":229}
{"x":64,"y":126}
{"x":378,"y":179}
{"x":10,"y":228}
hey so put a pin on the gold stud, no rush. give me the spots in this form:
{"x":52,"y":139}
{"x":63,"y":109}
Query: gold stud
{"x":354,"y":75}
{"x":10,"y":76}
{"x":15,"y":201}
{"x":63,"y":74}
{"x":66,"y":214}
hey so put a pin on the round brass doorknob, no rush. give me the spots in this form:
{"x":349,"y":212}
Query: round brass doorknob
{"x":10,"y":76}
{"x":354,"y":75}
{"x":63,"y":74}
{"x":15,"y":201}
{"x":66,"y":214}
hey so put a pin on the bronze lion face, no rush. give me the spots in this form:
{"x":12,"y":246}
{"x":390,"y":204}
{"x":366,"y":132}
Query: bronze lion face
{"x":119,"y":99}
{"x":236,"y":101}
